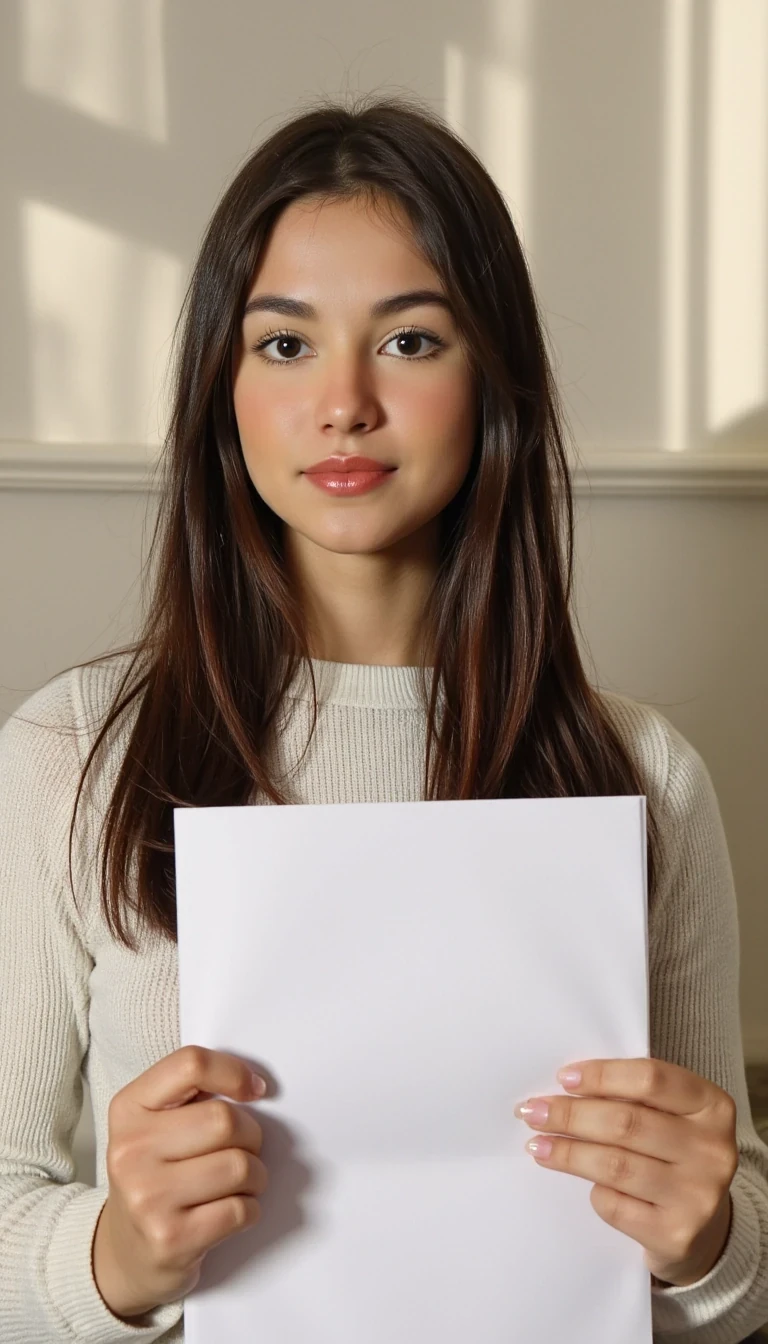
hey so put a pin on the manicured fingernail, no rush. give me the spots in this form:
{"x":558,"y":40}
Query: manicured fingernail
{"x":539,"y":1147}
{"x":259,"y":1086}
{"x":536,"y":1112}
{"x":570,"y":1077}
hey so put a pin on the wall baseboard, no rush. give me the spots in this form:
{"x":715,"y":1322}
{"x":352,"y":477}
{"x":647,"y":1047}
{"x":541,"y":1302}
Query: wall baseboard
{"x":133,"y":467}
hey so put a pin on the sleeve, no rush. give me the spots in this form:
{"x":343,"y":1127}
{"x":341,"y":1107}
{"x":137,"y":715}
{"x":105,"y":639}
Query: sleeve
{"x":47,"y":1219}
{"x":695,"y":1022}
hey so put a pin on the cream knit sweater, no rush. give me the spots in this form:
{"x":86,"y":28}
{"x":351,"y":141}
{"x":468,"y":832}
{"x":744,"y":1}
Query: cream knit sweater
{"x":73,"y":1000}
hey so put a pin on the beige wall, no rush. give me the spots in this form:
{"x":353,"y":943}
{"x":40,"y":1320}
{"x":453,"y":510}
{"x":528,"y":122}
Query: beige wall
{"x":630,"y":141}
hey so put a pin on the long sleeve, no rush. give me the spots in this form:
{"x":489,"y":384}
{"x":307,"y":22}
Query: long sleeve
{"x":695,"y":1022}
{"x":47,"y":1219}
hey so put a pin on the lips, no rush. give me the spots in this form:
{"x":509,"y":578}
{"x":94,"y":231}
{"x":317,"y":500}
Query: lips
{"x":341,"y":466}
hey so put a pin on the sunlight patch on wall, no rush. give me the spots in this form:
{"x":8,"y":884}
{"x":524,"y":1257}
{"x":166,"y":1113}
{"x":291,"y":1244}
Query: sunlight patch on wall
{"x":101,"y":312}
{"x":101,"y":57}
{"x":506,"y":136}
{"x":737,"y":205}
{"x":501,"y":134}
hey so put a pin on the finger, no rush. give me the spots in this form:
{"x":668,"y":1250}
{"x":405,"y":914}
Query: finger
{"x":217,"y":1175}
{"x":177,"y":1077}
{"x":654,"y":1082}
{"x":621,"y":1124}
{"x":632,"y":1174}
{"x":206,"y":1127}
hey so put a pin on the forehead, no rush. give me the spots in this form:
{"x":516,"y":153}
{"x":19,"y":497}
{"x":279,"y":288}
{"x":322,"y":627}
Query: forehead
{"x":325,"y":242}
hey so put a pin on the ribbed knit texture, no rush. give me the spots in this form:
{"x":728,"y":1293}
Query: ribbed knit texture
{"x":72,"y":998}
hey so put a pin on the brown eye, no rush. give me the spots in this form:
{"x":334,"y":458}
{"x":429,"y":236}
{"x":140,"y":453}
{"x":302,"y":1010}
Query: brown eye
{"x":281,"y":339}
{"x":411,"y":335}
{"x":408,"y":341}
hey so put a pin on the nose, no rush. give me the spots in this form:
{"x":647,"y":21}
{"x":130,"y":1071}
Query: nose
{"x":347,"y":402}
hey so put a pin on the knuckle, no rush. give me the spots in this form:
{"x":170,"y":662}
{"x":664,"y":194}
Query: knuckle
{"x":241,"y":1211}
{"x":114,"y":1111}
{"x":618,"y":1166}
{"x":258,"y":1136}
{"x":141,"y":1202}
{"x":121,"y":1154}
{"x":115,"y":1157}
{"x":161,"y":1236}
{"x":598,"y":1074}
{"x":223,"y":1119}
{"x":649,"y":1076}
{"x":192,"y":1062}
{"x":719,"y":1160}
{"x":726,"y":1111}
{"x":141,"y":1198}
{"x":566,"y":1113}
{"x":626,"y":1122}
{"x":239,"y":1166}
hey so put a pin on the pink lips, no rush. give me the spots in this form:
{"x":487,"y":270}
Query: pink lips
{"x":351,"y":475}
{"x":350,"y":482}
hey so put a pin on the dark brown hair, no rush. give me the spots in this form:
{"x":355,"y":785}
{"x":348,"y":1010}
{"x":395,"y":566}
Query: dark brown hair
{"x":520,"y":718}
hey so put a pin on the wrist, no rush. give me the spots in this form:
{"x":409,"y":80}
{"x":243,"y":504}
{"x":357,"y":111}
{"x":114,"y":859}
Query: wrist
{"x":112,"y":1285}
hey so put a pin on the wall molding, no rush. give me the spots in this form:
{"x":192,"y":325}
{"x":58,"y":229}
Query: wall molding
{"x":133,"y":468}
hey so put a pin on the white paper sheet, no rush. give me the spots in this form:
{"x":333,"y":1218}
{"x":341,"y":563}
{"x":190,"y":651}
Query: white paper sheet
{"x":403,"y":974}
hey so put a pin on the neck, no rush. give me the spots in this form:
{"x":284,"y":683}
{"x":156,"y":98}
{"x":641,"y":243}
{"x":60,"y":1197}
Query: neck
{"x":367,"y":607}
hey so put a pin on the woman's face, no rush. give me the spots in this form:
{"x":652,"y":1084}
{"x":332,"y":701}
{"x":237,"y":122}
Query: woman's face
{"x":342,"y":381}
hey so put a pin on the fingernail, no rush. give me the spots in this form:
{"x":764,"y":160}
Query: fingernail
{"x":259,"y":1086}
{"x":570,"y":1077}
{"x":539,"y":1147}
{"x":536,"y":1112}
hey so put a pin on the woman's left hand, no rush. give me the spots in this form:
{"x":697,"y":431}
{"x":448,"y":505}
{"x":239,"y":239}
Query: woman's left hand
{"x":660,"y":1144}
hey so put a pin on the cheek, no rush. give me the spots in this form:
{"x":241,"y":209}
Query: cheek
{"x":248,"y":409}
{"x":441,"y":425}
{"x":441,"y":406}
{"x":263,"y":413}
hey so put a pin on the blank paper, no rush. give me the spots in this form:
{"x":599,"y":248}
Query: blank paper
{"x":403,"y":974}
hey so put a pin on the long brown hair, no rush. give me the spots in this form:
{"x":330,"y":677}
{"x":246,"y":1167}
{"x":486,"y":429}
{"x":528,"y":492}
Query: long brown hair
{"x":520,"y":718}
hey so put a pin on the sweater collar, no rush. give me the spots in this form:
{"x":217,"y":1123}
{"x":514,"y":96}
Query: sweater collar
{"x":362,"y":685}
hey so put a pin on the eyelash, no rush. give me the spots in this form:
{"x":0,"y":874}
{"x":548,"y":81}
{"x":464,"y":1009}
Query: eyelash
{"x":404,"y":331}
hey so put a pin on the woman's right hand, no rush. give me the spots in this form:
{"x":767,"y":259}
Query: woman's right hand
{"x":181,"y":1178}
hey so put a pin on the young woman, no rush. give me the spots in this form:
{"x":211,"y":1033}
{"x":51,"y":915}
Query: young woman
{"x":392,"y":623}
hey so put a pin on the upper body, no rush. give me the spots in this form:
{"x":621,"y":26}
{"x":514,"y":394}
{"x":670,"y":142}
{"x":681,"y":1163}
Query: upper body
{"x":72,"y":999}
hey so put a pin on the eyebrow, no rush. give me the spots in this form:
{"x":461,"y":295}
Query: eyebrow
{"x":393,"y":303}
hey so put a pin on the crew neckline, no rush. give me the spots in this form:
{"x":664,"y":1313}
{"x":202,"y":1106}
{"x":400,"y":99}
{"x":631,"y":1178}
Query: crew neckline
{"x":362,"y":685}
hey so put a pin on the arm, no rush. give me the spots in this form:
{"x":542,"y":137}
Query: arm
{"x":694,"y":980}
{"x":47,"y":1219}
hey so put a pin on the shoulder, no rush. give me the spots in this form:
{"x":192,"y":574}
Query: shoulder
{"x":44,"y":745}
{"x":662,"y":752}
{"x":45,"y":741}
{"x":69,"y":707}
